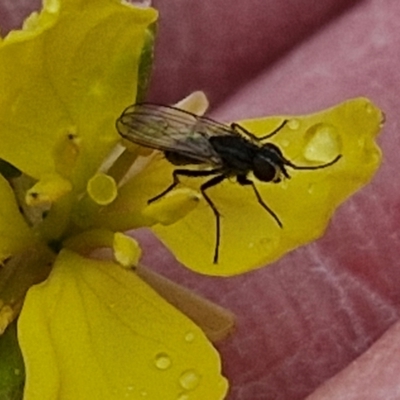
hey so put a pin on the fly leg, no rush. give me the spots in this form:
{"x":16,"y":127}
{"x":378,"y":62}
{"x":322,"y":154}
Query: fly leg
{"x":243,"y":180}
{"x":241,"y":130}
{"x":213,"y":182}
{"x":176,"y":181}
{"x":168,"y":189}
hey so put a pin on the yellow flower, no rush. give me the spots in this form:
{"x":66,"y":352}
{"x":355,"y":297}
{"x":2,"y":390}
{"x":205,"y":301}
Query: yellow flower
{"x":93,"y":329}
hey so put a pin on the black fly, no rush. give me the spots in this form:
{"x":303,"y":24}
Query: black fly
{"x":219,"y":151}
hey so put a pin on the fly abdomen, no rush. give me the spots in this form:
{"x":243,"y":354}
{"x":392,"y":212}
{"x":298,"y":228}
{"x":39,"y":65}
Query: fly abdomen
{"x":180,"y":159}
{"x":236,"y":153}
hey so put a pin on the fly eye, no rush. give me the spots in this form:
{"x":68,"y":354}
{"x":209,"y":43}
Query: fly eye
{"x":264,"y":170}
{"x":275,"y":149}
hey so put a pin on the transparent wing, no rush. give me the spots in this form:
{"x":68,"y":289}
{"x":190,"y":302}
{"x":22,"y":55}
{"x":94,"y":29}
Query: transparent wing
{"x":172,"y":129}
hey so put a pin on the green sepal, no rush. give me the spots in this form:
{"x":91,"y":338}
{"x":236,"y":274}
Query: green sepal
{"x":146,"y":63}
{"x":12,"y":371}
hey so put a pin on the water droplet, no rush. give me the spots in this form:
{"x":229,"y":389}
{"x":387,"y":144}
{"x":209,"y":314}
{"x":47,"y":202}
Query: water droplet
{"x":265,"y":241}
{"x":183,"y":396}
{"x":143,"y":393}
{"x":162,"y":361}
{"x":284,"y":143}
{"x":323,"y":143}
{"x":189,"y":379}
{"x":361,"y":141}
{"x":189,"y":337}
{"x":369,"y":108}
{"x":129,"y":392}
{"x":269,"y":242}
{"x":293,"y":124}
{"x":52,"y":6}
{"x":311,"y":188}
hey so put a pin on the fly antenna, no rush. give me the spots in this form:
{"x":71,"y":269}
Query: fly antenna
{"x":294,"y":166}
{"x":275,"y":131}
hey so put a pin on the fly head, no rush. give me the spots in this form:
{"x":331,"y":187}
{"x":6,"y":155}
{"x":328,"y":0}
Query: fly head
{"x":269,"y":164}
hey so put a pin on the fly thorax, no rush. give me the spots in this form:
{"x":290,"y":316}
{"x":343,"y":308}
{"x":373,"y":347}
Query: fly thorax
{"x":236,"y":153}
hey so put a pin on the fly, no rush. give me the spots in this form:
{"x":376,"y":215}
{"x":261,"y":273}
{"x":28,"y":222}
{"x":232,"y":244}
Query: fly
{"x":218,"y":151}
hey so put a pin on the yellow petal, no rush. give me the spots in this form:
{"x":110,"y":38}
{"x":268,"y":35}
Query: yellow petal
{"x":94,"y":330}
{"x":250,"y":237}
{"x":173,"y":206}
{"x":72,"y":69}
{"x":14,"y":232}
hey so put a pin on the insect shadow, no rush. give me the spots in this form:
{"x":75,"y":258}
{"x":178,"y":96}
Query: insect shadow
{"x":216,"y":150}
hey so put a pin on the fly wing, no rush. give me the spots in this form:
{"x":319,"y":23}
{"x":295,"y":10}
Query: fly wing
{"x":172,"y":129}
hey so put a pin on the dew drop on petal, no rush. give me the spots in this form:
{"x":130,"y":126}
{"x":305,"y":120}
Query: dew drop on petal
{"x":311,"y":188}
{"x":129,"y":392}
{"x":268,"y":241}
{"x":162,"y":361}
{"x":293,"y":124}
{"x":284,"y":143}
{"x":189,"y":337}
{"x":361,"y":142}
{"x":369,"y":108}
{"x":322,"y":143}
{"x":284,"y":184}
{"x":52,"y":6}
{"x":189,"y":379}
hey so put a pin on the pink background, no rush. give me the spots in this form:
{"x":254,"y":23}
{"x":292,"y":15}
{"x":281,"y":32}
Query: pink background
{"x":325,"y":317}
